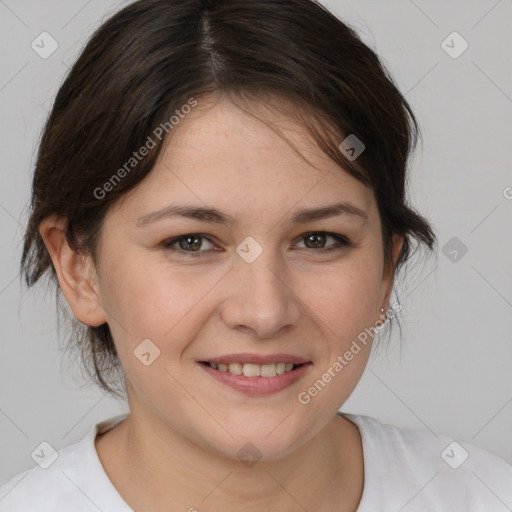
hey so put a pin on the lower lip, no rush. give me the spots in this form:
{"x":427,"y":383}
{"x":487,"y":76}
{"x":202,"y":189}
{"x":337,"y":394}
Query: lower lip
{"x":257,"y":385}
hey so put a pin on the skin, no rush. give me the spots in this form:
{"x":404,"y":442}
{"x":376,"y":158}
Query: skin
{"x":179,"y":445}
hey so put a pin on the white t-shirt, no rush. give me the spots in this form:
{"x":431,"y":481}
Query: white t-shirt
{"x":404,"y":470}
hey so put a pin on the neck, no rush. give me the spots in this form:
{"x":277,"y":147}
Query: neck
{"x":152,"y":466}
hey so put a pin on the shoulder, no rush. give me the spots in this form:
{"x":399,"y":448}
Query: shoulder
{"x":70,"y":479}
{"x":423,"y":470}
{"x":39,"y":489}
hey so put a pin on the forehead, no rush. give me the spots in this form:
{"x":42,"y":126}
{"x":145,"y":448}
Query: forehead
{"x":223,"y":156}
{"x":227,"y":135}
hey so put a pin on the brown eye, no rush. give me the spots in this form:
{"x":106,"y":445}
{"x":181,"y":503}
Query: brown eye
{"x":189,"y":243}
{"x":192,"y":242}
{"x":317,"y":240}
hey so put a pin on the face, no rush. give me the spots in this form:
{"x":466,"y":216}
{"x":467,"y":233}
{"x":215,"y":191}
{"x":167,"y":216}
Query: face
{"x":250,"y":281}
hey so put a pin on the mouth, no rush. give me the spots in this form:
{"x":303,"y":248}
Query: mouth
{"x":254,"y":370}
{"x":256,"y":375}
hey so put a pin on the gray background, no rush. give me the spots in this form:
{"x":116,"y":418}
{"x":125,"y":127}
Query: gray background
{"x":453,"y":372}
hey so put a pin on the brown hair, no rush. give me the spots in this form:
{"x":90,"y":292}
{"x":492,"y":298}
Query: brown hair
{"x":152,"y":57}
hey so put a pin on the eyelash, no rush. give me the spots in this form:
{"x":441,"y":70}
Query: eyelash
{"x":340,"y":239}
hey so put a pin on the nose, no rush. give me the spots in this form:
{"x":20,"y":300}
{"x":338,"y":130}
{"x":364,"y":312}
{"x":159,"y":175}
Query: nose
{"x":259,"y":299}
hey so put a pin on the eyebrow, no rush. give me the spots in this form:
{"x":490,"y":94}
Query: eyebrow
{"x":215,"y":216}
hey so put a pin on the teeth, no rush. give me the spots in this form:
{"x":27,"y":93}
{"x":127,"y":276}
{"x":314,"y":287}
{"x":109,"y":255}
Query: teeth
{"x":268,"y":370}
{"x":254,"y":370}
{"x":251,"y":370}
{"x":235,"y":368}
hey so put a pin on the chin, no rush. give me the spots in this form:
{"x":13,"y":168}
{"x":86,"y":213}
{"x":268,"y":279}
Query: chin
{"x":265,"y":439}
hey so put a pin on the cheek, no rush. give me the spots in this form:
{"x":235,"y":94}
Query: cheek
{"x":344,"y":302}
{"x":149,"y":300}
{"x":146,"y":303}
{"x":345,"y":297}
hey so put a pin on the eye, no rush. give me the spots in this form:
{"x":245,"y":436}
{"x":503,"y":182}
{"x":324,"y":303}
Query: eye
{"x":190,"y":243}
{"x":317,"y":240}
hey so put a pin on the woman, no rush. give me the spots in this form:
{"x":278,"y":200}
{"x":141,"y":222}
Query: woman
{"x":220,"y":196}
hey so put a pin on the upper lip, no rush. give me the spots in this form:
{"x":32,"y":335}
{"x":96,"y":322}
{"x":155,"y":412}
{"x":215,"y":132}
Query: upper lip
{"x":257,"y":359}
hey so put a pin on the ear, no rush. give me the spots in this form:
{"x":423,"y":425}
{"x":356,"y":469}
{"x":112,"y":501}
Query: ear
{"x":388,"y":277}
{"x":77,"y":276}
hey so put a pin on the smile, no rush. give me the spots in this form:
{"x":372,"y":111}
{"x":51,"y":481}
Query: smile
{"x":256,"y":379}
{"x":254,"y":370}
